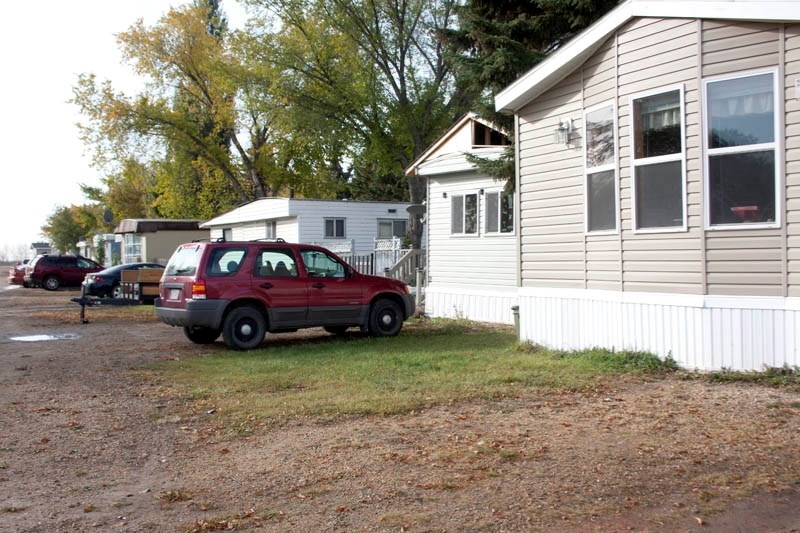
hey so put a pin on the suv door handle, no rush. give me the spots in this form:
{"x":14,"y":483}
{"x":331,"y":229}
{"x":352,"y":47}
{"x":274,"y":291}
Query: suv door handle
{"x":266,"y":285}
{"x":318,"y":285}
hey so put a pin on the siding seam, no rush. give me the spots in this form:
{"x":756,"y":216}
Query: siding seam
{"x":701,"y":162}
{"x":781,"y":152}
{"x":618,"y":170}
{"x":583,"y":174}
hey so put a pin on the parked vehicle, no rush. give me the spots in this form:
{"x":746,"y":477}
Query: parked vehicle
{"x":107,"y":283}
{"x":242,"y":290}
{"x":16,"y":274}
{"x":55,"y":271}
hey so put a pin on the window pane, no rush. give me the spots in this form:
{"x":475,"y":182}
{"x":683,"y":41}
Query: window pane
{"x":340,"y":227}
{"x":659,"y":195}
{"x":457,"y":214}
{"x":491,"y":199}
{"x":471,"y":213}
{"x":601,"y":201}
{"x":329,"y":228}
{"x":600,"y":137}
{"x":507,"y":213}
{"x":657,"y":125}
{"x":400,"y":228}
{"x":742,"y":187}
{"x":385,"y":229}
{"x":741,"y":111}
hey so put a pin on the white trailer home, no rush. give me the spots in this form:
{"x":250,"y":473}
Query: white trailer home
{"x":658,"y":165}
{"x":341,"y":225}
{"x":472,"y":257}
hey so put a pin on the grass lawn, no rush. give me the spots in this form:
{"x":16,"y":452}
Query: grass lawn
{"x":430,"y":362}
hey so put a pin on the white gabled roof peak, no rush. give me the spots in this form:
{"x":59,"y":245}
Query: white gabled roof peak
{"x":570,"y":56}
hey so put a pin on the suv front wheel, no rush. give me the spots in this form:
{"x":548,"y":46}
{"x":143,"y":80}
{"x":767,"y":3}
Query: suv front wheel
{"x":244,"y":328}
{"x":385,"y":318}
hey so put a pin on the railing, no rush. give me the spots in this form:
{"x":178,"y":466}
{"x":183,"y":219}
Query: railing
{"x":364,"y":264}
{"x":406,"y":267}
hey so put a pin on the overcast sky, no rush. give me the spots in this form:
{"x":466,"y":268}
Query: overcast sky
{"x":45,"y":45}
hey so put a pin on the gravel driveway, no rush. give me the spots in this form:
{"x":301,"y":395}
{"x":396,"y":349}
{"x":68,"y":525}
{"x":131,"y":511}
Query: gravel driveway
{"x":88,"y":445}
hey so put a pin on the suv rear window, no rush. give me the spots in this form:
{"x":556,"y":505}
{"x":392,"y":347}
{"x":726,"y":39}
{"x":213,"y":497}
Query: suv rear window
{"x":184,"y":261}
{"x":225,"y":261}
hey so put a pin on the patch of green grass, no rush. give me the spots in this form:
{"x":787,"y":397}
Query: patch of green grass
{"x":431,"y":362}
{"x":775,"y":377}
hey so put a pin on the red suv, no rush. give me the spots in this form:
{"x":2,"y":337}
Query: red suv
{"x":243,"y":290}
{"x":54,"y":271}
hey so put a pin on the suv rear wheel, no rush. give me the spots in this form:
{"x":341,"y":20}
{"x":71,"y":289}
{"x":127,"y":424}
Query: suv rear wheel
{"x":385,"y":318}
{"x":201,"y":335}
{"x":244,"y":328}
{"x":51,"y":283}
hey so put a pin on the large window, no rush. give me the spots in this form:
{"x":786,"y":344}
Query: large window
{"x":600,"y":163}
{"x":741,"y":150}
{"x":388,"y":228}
{"x":658,"y":176}
{"x":334,"y":228}
{"x":133,"y":248}
{"x":499,"y":212}
{"x":464,"y":214}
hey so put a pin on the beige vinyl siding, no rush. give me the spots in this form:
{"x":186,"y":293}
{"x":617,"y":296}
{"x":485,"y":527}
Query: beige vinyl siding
{"x":602,"y":257}
{"x":792,"y":147}
{"x":742,"y":262}
{"x":648,"y":54}
{"x":552,"y":250}
{"x":730,"y":47}
{"x":655,"y":54}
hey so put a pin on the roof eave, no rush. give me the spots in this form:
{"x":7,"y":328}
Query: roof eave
{"x":565,"y":60}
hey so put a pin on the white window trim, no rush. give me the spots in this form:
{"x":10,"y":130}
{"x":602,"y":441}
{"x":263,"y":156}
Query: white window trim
{"x":325,"y":227}
{"x":776,"y":146}
{"x":659,"y":159}
{"x":613,"y":166}
{"x":482,"y":204}
{"x":479,"y":218}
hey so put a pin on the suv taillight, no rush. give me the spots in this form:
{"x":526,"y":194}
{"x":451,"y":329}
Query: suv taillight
{"x":199,"y":289}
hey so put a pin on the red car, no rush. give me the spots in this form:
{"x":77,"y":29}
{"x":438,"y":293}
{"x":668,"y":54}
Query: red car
{"x":242,"y":290}
{"x":55,"y":271}
{"x":16,"y":274}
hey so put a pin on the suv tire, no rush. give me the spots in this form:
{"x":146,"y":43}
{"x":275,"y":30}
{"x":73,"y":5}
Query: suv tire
{"x":244,"y":328}
{"x":385,"y":318}
{"x":51,"y":283}
{"x":200,"y":334}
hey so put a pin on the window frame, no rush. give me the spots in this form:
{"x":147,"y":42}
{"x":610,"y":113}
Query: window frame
{"x":392,"y":221}
{"x":613,"y":166}
{"x":270,"y":229}
{"x":670,"y":158}
{"x":776,"y":146}
{"x":132,"y":243}
{"x":485,"y":209}
{"x":463,"y":195}
{"x":334,"y":220}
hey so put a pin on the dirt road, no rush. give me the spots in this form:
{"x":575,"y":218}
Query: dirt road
{"x":88,"y":445}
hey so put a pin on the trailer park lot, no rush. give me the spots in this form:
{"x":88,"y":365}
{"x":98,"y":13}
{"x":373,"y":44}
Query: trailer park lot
{"x":89,"y":442}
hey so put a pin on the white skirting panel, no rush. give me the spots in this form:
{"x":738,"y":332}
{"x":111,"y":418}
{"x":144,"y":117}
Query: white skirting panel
{"x":699,"y":332}
{"x":479,"y":304}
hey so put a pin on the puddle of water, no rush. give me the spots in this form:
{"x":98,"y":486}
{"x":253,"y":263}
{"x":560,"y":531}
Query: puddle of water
{"x":56,"y":337}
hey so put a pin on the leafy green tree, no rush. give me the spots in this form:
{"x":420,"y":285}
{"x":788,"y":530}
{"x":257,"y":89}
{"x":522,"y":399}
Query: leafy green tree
{"x":67,"y":226}
{"x":371,"y":74}
{"x":195,"y":126}
{"x":498,"y":40}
